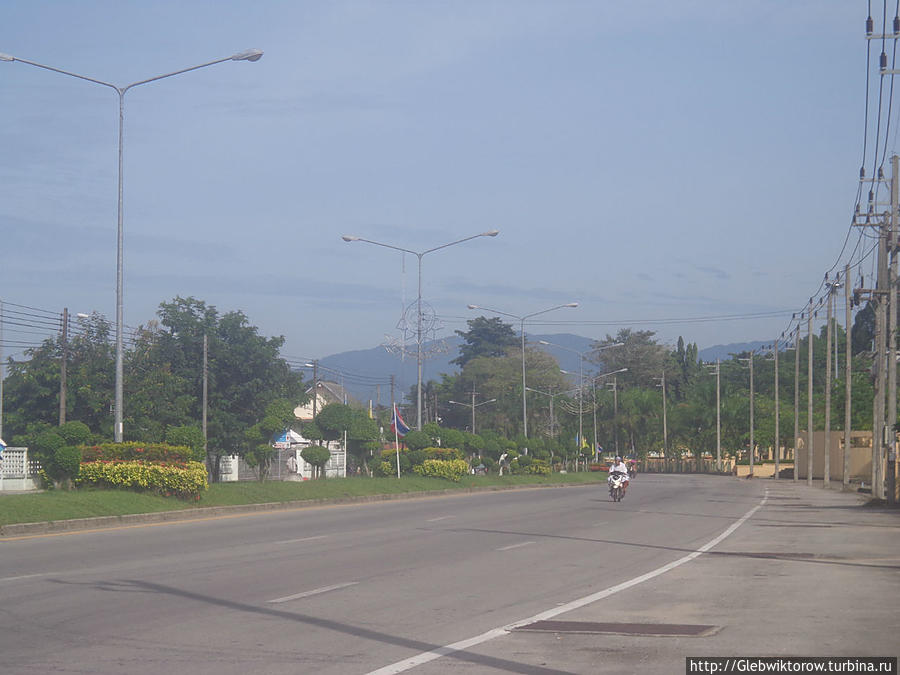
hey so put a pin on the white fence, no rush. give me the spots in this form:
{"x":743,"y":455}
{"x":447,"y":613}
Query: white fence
{"x":17,"y":471}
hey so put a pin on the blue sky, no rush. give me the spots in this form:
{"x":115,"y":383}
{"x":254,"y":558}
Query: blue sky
{"x":651,"y":160}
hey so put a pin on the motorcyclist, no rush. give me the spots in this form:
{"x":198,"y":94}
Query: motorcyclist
{"x":618,"y":466}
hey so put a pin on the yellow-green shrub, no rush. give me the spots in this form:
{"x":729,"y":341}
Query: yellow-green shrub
{"x":449,"y":469}
{"x":181,"y":480}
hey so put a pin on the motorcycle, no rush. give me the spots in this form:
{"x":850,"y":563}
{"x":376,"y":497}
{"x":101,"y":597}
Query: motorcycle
{"x":616,"y":482}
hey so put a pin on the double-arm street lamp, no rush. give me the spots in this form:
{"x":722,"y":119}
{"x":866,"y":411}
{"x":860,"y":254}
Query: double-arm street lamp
{"x":248,"y":55}
{"x":522,"y":319}
{"x":581,"y":358}
{"x":473,"y":405}
{"x":420,"y":255}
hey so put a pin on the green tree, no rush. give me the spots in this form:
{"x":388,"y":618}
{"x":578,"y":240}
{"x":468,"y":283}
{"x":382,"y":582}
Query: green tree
{"x":318,"y":457}
{"x":486,"y":337}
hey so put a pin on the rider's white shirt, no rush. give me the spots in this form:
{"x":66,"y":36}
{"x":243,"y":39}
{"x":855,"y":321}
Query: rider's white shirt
{"x":619,"y":467}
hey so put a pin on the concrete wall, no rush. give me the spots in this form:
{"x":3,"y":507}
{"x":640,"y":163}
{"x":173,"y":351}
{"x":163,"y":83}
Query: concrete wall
{"x":860,"y":455}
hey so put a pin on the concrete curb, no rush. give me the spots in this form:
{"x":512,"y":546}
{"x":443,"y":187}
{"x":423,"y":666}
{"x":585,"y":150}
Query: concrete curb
{"x":199,"y":513}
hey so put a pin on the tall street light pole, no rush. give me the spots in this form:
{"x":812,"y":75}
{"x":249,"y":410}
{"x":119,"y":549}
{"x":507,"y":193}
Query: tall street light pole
{"x":581,"y":357}
{"x":419,"y":255}
{"x":248,"y":55}
{"x":522,"y":319}
{"x":473,"y":405}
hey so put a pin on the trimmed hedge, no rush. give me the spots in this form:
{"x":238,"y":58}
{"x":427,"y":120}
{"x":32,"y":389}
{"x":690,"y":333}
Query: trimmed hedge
{"x":185,"y":480}
{"x":449,"y":469}
{"x":134,"y":451}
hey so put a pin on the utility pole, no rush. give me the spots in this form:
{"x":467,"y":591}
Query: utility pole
{"x":826,"y":473}
{"x":752,"y":444}
{"x":777,"y":411}
{"x":205,"y":390}
{"x":809,"y":397}
{"x":892,"y":340}
{"x":665,"y":423}
{"x":718,"y":416}
{"x":62,"y":366}
{"x":797,"y":401}
{"x":878,"y":426}
{"x":2,"y":368}
{"x":316,"y":387}
{"x":848,"y":388}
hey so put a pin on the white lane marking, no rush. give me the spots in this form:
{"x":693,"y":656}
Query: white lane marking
{"x":509,"y":548}
{"x":315,"y":591}
{"x":434,"y":520}
{"x":28,"y":576}
{"x":294,"y":541}
{"x":426,"y":657}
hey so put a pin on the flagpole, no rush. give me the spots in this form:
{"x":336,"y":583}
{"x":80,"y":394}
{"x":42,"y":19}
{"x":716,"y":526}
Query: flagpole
{"x":397,"y":439}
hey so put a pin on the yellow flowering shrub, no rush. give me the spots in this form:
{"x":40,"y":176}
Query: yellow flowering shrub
{"x":449,"y":469}
{"x":185,"y":480}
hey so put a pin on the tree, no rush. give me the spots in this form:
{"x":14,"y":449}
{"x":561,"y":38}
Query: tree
{"x":318,"y":457}
{"x":644,"y":358}
{"x":486,"y":337}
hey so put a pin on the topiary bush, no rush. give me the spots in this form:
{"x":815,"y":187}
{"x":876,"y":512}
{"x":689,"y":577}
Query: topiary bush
{"x":134,"y":451}
{"x":449,"y":469}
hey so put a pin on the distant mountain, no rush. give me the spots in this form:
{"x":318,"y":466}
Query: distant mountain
{"x":724,"y":352}
{"x":367,"y":372}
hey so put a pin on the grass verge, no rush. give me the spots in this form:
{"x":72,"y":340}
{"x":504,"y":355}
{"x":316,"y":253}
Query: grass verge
{"x":55,"y":505}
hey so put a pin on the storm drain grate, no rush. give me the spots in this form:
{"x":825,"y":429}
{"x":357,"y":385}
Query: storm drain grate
{"x":644,"y":629}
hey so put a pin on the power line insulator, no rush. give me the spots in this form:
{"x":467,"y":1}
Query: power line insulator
{"x":896,"y":24}
{"x":883,"y":61}
{"x":870,"y":26}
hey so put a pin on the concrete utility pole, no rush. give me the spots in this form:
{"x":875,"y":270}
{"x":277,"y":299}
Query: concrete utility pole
{"x":826,"y":476}
{"x":848,"y":388}
{"x":62,"y":366}
{"x":662,"y":384}
{"x":809,"y":398}
{"x":777,"y":428}
{"x":205,"y":390}
{"x":878,"y":426}
{"x":797,"y":401}
{"x":892,"y":340}
{"x":752,"y":443}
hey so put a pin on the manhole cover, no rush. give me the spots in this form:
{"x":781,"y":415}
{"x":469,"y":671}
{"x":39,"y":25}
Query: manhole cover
{"x":644,"y":629}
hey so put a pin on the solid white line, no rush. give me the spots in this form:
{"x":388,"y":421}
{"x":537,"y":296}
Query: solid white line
{"x":294,"y":541}
{"x":315,"y":591}
{"x":508,"y":548}
{"x":434,"y":520}
{"x":426,"y":657}
{"x":27,"y":576}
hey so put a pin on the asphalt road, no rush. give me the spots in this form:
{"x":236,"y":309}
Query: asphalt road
{"x":708,"y":566}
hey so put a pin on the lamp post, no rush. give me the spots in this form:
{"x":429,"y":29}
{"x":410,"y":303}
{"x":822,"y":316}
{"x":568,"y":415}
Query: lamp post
{"x":248,"y":55}
{"x":594,"y":393}
{"x":419,"y":255}
{"x":522,"y":319}
{"x":551,"y":396}
{"x":581,"y":357}
{"x":473,"y":405}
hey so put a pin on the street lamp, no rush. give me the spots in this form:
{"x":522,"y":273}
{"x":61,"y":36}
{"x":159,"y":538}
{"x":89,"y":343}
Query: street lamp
{"x":594,"y":393}
{"x":248,"y":55}
{"x":419,"y":255}
{"x":582,"y":356}
{"x":521,"y":319}
{"x":473,"y":405}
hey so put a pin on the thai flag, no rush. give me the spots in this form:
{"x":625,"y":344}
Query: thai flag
{"x":398,"y":426}
{"x":2,"y":448}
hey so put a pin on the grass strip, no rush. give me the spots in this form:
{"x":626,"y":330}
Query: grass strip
{"x":56,"y":505}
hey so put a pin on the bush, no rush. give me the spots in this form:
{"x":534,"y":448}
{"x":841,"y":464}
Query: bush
{"x":384,"y":469}
{"x":65,"y":464}
{"x":134,"y":451}
{"x":75,"y":433}
{"x":317,"y":456}
{"x":526,"y":465}
{"x":443,"y":453}
{"x":181,"y":480}
{"x":451,"y":469}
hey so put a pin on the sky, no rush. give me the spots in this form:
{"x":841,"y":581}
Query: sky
{"x":684,"y":167}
